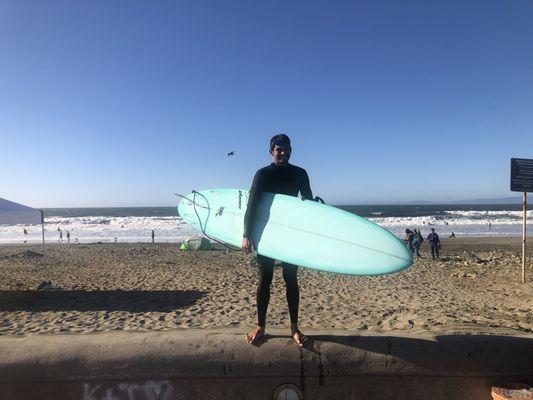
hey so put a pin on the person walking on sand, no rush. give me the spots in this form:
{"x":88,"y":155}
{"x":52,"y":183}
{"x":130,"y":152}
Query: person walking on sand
{"x":284,"y":178}
{"x":68,"y":237}
{"x":417,"y":242}
{"x":153,"y":236}
{"x":434,"y":242}
{"x":408,"y":240}
{"x":60,"y":235}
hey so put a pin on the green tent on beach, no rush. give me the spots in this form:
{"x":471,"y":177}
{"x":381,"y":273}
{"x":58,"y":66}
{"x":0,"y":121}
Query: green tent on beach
{"x":196,"y":243}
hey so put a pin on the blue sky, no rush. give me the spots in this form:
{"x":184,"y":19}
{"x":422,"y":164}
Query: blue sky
{"x":122,"y":103}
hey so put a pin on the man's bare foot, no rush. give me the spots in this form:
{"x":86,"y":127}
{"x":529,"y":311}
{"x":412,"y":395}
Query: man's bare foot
{"x":255,"y":336}
{"x":299,"y":337}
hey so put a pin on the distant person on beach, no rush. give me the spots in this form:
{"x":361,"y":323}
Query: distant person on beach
{"x":284,"y":178}
{"x":68,"y":237}
{"x":452,"y":235}
{"x":153,"y":236}
{"x":60,"y":235}
{"x":434,"y":242}
{"x":25,"y":235}
{"x":408,"y":240}
{"x":417,"y":242}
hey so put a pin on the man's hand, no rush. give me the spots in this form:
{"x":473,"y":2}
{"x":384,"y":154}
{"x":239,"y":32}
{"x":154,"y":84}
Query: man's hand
{"x":247,"y":245}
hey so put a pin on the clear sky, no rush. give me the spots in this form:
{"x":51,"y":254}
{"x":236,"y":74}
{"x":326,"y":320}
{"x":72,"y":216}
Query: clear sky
{"x":123,"y":103}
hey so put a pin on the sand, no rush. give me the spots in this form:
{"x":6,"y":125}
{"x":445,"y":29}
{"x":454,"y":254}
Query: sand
{"x":140,"y":287}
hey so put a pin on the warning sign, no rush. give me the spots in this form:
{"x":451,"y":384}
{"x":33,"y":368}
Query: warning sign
{"x":521,"y":175}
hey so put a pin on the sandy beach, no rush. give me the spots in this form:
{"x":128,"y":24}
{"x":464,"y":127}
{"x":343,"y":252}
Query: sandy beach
{"x":140,"y":287}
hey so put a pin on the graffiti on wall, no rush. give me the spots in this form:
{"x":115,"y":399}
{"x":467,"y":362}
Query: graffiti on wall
{"x":149,"y":390}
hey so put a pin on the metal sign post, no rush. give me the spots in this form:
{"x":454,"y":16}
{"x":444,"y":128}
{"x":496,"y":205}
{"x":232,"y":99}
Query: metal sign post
{"x":522,"y":181}
{"x":42,"y":224}
{"x":524,"y":208}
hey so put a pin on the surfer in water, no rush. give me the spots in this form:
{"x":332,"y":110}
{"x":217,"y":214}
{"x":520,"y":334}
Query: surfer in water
{"x":284,"y":178}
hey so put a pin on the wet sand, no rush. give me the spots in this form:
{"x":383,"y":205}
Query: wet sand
{"x":140,"y":287}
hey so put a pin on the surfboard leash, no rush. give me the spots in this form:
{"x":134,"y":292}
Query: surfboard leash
{"x":193,"y":201}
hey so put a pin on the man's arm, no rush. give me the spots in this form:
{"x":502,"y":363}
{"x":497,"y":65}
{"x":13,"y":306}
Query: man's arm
{"x":253,"y":200}
{"x":305,"y":189}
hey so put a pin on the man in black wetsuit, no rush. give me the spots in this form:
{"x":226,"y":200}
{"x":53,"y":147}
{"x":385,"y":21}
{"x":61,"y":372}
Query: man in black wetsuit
{"x":284,"y":178}
{"x":434,"y":241}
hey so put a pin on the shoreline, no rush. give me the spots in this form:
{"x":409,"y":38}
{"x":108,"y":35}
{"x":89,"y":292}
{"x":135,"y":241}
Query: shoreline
{"x":473,"y":239}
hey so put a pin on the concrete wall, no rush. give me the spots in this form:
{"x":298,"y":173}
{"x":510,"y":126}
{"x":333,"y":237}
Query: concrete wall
{"x":203,"y":364}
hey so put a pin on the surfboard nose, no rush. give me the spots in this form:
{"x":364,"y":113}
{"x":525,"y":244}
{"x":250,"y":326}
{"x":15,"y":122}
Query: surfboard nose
{"x":403,"y":257}
{"x":392,"y":256}
{"x":406,"y":258}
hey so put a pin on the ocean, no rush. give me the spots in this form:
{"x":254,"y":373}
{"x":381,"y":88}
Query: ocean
{"x":135,"y":224}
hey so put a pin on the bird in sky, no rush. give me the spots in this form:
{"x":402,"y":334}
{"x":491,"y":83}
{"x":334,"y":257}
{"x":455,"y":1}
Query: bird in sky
{"x":231,"y":153}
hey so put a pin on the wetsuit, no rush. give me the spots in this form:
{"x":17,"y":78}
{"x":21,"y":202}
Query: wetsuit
{"x":434,"y":241}
{"x":285,"y":179}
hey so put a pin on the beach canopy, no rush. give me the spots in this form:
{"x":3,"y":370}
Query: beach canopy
{"x":12,"y":213}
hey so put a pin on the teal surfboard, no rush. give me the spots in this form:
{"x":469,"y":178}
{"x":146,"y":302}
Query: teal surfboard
{"x":304,"y":233}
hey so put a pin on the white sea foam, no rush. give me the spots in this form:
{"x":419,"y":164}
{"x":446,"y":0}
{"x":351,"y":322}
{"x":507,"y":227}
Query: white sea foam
{"x":101,"y":229}
{"x":462,"y":223}
{"x":489,"y":215}
{"x":173,"y":229}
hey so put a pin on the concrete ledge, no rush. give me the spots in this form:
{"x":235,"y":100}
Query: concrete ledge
{"x":216,"y":364}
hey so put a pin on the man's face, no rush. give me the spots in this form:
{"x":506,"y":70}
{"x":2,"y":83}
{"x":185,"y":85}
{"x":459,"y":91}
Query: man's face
{"x":281,"y":154}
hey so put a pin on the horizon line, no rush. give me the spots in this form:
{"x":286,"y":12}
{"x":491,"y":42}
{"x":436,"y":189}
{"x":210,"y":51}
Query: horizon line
{"x":450,"y":203}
